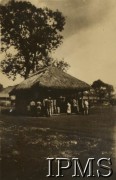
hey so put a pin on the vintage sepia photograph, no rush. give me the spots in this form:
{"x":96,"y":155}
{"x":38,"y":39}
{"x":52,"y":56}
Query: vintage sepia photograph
{"x":57,"y":89}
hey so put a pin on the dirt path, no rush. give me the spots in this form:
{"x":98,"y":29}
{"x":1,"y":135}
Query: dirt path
{"x":26,"y":142}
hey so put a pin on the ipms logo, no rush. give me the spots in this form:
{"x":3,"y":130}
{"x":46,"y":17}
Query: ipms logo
{"x":92,"y":168}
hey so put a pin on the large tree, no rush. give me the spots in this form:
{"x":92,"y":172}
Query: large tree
{"x":33,"y":33}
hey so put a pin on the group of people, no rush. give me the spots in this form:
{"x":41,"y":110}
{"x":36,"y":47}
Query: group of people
{"x":47,"y":107}
{"x":80,"y":106}
{"x":41,"y":108}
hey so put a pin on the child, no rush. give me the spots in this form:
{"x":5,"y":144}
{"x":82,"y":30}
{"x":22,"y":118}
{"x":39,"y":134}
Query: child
{"x":68,"y":108}
{"x":86,"y":107}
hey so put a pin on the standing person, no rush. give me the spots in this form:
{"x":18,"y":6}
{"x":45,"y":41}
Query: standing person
{"x":33,"y":108}
{"x":52,"y":106}
{"x":39,"y":108}
{"x":77,"y":106}
{"x":45,"y":107}
{"x":58,"y":106}
{"x":81,"y":105}
{"x":49,"y":107}
{"x":86,"y":107}
{"x":68,"y":108}
{"x":74,"y":104}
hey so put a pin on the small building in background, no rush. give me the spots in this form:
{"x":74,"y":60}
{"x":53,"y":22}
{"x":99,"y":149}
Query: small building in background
{"x":6,"y":101}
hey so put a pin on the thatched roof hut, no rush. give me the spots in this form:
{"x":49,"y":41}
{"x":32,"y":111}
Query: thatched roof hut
{"x":53,"y":78}
{"x":47,"y":82}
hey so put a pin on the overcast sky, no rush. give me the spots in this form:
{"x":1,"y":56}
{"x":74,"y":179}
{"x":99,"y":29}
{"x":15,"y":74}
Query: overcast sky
{"x":89,"y":44}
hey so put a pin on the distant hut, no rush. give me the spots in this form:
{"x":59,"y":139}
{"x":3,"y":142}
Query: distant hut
{"x":47,"y":82}
{"x":5,"y":99}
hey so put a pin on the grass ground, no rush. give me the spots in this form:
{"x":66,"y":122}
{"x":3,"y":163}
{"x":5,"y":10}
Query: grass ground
{"x":26,"y":142}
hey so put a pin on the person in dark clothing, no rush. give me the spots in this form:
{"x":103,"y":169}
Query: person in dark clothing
{"x":33,"y":108}
{"x":81,"y":105}
{"x":39,"y":108}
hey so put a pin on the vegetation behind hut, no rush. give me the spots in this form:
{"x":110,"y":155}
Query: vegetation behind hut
{"x":103,"y":90}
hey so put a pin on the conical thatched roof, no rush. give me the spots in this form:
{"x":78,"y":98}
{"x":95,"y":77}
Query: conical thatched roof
{"x":52,"y":77}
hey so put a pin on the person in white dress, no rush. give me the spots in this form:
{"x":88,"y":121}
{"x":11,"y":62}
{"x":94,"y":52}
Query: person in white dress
{"x":86,"y":107}
{"x":68,"y":108}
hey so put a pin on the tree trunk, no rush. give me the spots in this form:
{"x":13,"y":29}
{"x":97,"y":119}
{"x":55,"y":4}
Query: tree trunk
{"x":27,"y":72}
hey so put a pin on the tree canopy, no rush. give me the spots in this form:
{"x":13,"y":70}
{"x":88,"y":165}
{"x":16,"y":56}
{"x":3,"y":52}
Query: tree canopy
{"x":102,"y":89}
{"x":60,"y":64}
{"x":33,"y":33}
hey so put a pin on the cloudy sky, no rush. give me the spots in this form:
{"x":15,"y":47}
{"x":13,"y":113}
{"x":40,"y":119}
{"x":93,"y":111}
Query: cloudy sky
{"x":89,"y":44}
